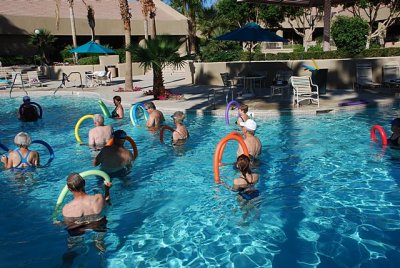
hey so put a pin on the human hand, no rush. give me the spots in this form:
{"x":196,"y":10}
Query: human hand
{"x":108,"y":184}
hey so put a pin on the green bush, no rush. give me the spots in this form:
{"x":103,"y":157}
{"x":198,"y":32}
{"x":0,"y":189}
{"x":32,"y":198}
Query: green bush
{"x":67,"y":56}
{"x":217,"y":51}
{"x":16,"y":60}
{"x":121,"y":53}
{"x":349,"y":34}
{"x":94,"y":59}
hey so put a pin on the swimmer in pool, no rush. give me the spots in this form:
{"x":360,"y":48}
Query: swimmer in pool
{"x":180,"y":135}
{"x":118,"y":112}
{"x":100,"y":134}
{"x":84,"y":211}
{"x":21,"y":159}
{"x":28,"y":112}
{"x":244,"y":185}
{"x":156,"y":117}
{"x":394,"y":138}
{"x":115,"y":159}
{"x":243,"y":116}
{"x":252,"y":142}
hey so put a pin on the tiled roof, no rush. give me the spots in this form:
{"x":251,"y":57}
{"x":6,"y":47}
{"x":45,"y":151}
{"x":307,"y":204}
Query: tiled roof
{"x":104,"y":9}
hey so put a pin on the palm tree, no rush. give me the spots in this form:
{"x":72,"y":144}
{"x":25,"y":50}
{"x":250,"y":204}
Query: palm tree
{"x":72,"y":20}
{"x":90,"y":17}
{"x":43,"y":40}
{"x":327,"y":25}
{"x":148,"y":7}
{"x":159,"y":53}
{"x":126,"y":18}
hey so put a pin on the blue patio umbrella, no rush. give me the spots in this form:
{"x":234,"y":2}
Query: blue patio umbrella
{"x":92,"y":47}
{"x":251,"y":32}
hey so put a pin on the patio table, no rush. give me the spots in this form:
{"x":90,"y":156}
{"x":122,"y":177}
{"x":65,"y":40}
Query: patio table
{"x":249,"y":82}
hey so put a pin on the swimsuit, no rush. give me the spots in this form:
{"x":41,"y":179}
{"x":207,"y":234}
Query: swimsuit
{"x":114,"y":113}
{"x":249,"y":192}
{"x":29,"y":113}
{"x":24,"y":160}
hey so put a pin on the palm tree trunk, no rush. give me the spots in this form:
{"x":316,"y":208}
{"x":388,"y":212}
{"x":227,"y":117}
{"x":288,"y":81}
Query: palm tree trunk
{"x":126,"y":17}
{"x":327,"y":25}
{"x":153,"y":24}
{"x":73,"y":29}
{"x":158,"y":83}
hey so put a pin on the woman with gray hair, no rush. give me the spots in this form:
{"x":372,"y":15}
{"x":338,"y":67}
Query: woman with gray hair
{"x":21,"y":159}
{"x":181,"y":133}
{"x":100,"y":134}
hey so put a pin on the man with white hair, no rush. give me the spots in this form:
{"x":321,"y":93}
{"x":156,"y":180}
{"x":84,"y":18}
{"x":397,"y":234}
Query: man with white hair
{"x":253,"y":143}
{"x":22,"y":158}
{"x":100,"y":134}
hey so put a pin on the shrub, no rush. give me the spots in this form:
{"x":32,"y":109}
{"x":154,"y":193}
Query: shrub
{"x":94,"y":59}
{"x":67,"y":56}
{"x":16,"y":60}
{"x":349,"y":34}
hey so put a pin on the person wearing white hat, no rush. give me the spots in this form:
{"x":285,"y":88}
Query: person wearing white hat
{"x":253,"y":143}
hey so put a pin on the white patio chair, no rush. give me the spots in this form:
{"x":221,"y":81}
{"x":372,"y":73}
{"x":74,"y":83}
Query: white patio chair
{"x":102,"y":77}
{"x":303,"y":90}
{"x":33,"y":79}
{"x":364,"y":77}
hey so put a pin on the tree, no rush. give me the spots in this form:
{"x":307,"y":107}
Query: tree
{"x":159,"y":53}
{"x":304,"y":22}
{"x":72,"y":20}
{"x":91,"y":20}
{"x":126,"y":18}
{"x":148,"y":10}
{"x":370,"y":10}
{"x":43,"y":40}
{"x":190,"y":8}
{"x":350,"y":34}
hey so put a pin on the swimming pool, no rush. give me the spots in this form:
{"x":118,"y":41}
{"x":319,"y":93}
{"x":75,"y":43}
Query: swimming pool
{"x":329,"y":196}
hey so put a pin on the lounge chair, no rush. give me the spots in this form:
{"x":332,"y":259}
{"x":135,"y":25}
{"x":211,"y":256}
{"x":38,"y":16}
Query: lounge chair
{"x":101,"y":77}
{"x":303,"y":90}
{"x":33,"y":79}
{"x":364,"y":77}
{"x":390,"y":74}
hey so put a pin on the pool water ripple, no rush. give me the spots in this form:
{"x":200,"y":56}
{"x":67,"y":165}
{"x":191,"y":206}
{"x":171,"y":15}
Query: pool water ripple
{"x":329,"y":196}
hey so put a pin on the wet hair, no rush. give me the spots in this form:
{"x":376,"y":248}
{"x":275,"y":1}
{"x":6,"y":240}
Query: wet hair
{"x":118,"y":98}
{"x":244,"y":108}
{"x":98,"y":118}
{"x":150,"y":105}
{"x":22,"y":139}
{"x":243,"y":164}
{"x":75,"y":183}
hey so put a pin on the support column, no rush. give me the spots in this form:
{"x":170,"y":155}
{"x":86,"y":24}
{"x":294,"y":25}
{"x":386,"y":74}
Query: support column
{"x":327,"y":25}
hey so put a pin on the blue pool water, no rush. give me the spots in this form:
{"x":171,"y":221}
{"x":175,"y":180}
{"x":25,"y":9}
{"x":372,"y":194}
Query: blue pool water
{"x":329,"y":197}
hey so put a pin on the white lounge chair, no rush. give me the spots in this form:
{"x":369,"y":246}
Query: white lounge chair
{"x":364,"y":77}
{"x":303,"y":90}
{"x":33,"y":79}
{"x":390,"y":74}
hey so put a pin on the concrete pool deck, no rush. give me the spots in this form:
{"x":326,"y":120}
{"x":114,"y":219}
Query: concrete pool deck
{"x":195,"y":97}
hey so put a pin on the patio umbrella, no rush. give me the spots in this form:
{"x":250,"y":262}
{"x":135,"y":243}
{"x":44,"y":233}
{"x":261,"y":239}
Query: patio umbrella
{"x":92,"y":47}
{"x":251,"y":32}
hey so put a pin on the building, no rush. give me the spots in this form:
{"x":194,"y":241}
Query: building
{"x":20,"y":18}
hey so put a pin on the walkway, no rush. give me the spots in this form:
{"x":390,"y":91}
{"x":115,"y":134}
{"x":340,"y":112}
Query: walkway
{"x":195,"y":98}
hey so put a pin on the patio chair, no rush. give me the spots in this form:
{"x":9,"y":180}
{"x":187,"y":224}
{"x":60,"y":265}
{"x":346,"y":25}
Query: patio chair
{"x":390,"y":74}
{"x":364,"y":77}
{"x":101,"y":77}
{"x":33,"y":79}
{"x":303,"y":90}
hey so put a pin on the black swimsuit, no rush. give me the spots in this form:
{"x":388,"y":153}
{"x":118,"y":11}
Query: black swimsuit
{"x":394,"y":142}
{"x":114,"y":113}
{"x":249,"y":192}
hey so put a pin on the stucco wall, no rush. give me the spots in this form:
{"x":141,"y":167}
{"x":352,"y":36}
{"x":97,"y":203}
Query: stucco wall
{"x":341,"y":72}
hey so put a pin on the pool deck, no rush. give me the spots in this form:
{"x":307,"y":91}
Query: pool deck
{"x":195,"y":97}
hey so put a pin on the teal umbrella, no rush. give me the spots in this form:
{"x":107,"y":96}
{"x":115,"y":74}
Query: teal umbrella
{"x":92,"y":47}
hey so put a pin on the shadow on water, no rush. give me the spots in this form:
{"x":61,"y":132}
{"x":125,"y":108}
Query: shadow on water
{"x":290,"y":193}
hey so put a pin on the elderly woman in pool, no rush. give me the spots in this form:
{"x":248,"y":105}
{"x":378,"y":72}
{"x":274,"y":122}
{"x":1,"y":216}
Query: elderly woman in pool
{"x":22,"y":158}
{"x":181,"y":133}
